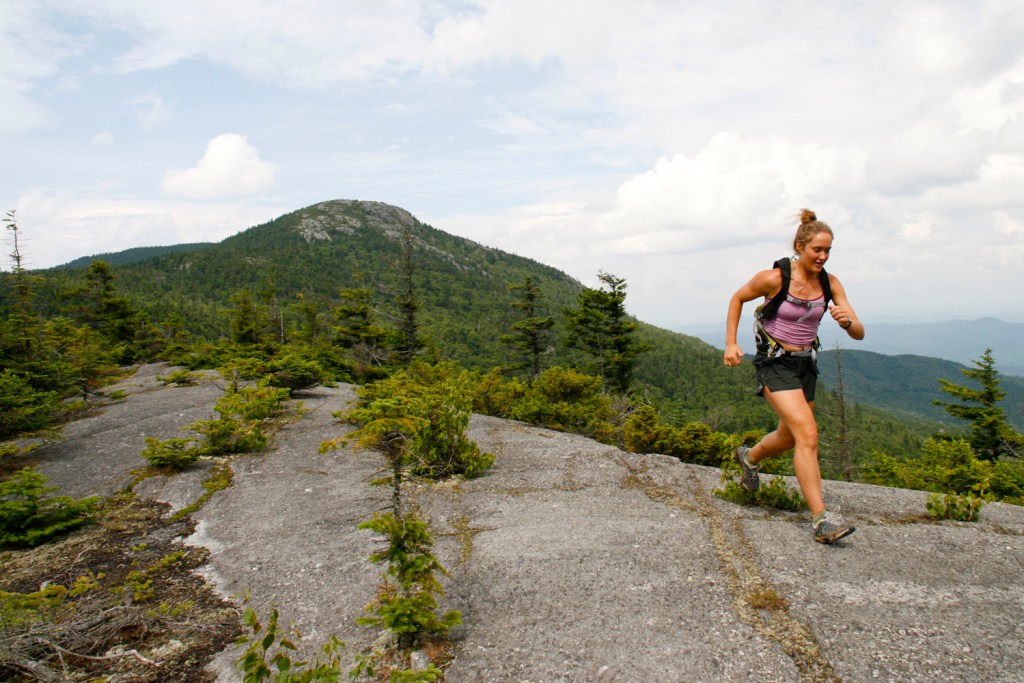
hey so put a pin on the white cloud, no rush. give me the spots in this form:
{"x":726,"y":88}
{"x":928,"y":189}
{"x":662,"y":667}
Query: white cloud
{"x":59,"y":228}
{"x":103,"y":138}
{"x":230,"y":166}
{"x":733,"y":188}
{"x":989,"y":106}
{"x":151,"y":110}
{"x":30,"y":51}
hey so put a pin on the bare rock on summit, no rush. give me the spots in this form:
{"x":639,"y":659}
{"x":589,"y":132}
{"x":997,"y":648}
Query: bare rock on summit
{"x":572,"y":560}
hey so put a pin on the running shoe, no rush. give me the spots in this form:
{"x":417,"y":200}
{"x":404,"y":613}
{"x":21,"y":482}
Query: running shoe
{"x":748,"y":477}
{"x":831,"y":528}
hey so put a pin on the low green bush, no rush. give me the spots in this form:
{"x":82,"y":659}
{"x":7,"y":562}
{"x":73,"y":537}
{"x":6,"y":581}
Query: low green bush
{"x":429,"y":408}
{"x":294,"y":371}
{"x":561,"y":398}
{"x":773,"y":492}
{"x":962,"y":508}
{"x":29,"y":517}
{"x":407,"y":607}
{"x":181,"y":377}
{"x":171,"y":454}
{"x":949,"y":466}
{"x":693,"y":443}
{"x":22,"y":407}
{"x":266,"y":655}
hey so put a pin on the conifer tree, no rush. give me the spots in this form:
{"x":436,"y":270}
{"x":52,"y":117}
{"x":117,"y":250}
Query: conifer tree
{"x":991,"y":435}
{"x":246,"y":318}
{"x":408,"y":305}
{"x":529,"y":335}
{"x":356,"y":330}
{"x":96,"y":303}
{"x":21,"y":335}
{"x":601,"y":328}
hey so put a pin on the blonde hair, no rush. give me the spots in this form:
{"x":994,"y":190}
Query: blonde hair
{"x":809,"y":227}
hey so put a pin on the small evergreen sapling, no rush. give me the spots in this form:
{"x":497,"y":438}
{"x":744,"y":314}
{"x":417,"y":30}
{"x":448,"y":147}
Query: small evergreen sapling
{"x":28,"y":517}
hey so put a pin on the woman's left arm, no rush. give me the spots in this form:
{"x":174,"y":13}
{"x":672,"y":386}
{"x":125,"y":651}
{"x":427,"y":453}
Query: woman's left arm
{"x":842,"y":312}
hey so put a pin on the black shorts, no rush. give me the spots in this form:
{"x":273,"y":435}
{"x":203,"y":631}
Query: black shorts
{"x":786,"y":373}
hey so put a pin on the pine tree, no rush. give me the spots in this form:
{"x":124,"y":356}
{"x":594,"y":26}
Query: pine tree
{"x":356,"y":330}
{"x":601,"y":328}
{"x":246,"y":318}
{"x":529,"y":336}
{"x":408,"y":305}
{"x":991,"y":435}
{"x":21,"y":331}
{"x":97,"y":303}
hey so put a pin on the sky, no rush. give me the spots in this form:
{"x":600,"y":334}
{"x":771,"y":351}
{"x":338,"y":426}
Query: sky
{"x":670,"y":143}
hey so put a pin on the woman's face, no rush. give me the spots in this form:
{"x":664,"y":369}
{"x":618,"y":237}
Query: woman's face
{"x":814,"y":254}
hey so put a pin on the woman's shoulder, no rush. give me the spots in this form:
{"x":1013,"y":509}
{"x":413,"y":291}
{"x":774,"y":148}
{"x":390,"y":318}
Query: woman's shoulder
{"x":768,"y":282}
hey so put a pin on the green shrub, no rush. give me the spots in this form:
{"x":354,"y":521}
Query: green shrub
{"x":22,"y":407}
{"x":693,"y":443}
{"x":181,"y":377}
{"x":963,"y":508}
{"x":294,"y":371}
{"x":407,"y":607}
{"x":242,"y":411}
{"x":266,"y":655}
{"x":949,"y":466}
{"x":567,"y":400}
{"x":773,"y":492}
{"x":172,"y":454}
{"x":230,"y":435}
{"x":29,"y":518}
{"x":429,"y":408}
{"x":254,"y":402}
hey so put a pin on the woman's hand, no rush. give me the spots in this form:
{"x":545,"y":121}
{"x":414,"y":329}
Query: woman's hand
{"x":733,"y":355}
{"x":841,"y":316}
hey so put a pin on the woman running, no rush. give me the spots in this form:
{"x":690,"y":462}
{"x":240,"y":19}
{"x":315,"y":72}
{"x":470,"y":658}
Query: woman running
{"x":785,"y":365}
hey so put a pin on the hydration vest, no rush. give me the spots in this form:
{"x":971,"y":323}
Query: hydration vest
{"x":769,"y":309}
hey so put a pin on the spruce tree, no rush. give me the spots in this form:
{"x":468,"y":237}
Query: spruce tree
{"x":357,"y":331}
{"x":246,"y":318}
{"x":601,"y":328}
{"x":529,"y":335}
{"x":409,"y":344}
{"x":991,"y":435}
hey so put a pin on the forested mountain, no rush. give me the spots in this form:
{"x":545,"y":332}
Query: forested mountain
{"x":134,"y":255}
{"x":309,"y":256}
{"x":906,"y":385}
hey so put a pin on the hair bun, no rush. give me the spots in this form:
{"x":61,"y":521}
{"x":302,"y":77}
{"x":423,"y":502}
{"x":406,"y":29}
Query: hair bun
{"x":806,"y":216}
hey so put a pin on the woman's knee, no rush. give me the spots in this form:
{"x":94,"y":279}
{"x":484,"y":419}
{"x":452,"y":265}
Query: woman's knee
{"x":806,"y":437}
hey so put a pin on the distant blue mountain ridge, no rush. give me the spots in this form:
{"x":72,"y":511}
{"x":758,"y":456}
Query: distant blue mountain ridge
{"x":961,"y":341}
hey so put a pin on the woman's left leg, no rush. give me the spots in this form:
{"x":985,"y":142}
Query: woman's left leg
{"x":793,"y":408}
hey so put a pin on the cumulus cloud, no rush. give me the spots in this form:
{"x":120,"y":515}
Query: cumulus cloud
{"x":734,"y":186}
{"x":62,"y":227}
{"x":230,"y":166}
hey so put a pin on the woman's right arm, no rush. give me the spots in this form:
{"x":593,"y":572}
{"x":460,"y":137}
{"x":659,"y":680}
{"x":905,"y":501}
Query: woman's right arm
{"x":763,"y":284}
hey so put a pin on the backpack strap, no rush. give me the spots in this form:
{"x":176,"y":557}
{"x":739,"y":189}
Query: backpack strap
{"x":764,"y":341}
{"x":770,"y":308}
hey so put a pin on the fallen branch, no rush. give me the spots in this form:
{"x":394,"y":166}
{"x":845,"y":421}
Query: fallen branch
{"x":92,"y":658}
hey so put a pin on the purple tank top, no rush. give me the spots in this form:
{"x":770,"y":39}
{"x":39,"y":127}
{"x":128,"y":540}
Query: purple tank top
{"x":797,"y":321}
